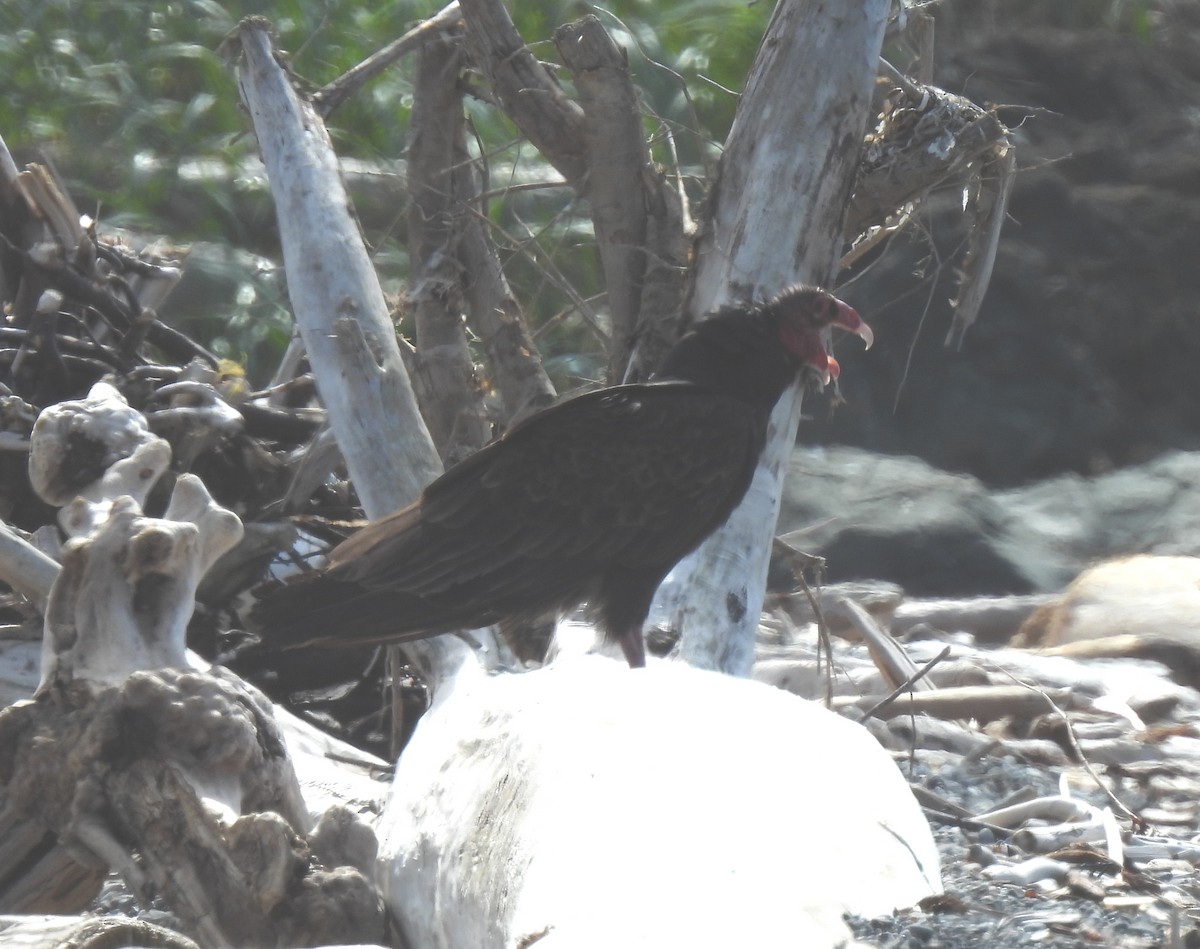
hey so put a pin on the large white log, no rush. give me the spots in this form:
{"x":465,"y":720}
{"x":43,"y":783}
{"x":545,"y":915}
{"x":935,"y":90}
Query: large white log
{"x":660,"y":807}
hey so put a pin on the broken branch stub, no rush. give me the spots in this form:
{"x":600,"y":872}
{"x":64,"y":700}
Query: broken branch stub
{"x":926,"y":138}
{"x":128,"y":582}
{"x":76,"y":445}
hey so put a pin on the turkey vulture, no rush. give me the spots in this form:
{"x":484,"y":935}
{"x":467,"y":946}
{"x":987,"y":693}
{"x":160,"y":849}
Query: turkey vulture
{"x":594,"y":499}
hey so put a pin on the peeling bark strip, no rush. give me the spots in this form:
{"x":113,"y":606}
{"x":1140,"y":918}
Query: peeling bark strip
{"x":362,"y":378}
{"x":777,"y":212}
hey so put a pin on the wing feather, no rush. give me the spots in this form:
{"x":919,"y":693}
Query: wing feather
{"x":637,"y":475}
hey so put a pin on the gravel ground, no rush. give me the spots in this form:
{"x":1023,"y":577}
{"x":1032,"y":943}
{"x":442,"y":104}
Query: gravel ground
{"x":1153,"y":905}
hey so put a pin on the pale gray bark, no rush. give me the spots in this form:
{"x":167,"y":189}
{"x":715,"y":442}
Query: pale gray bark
{"x":451,"y":396}
{"x":340,"y":309}
{"x":777,"y":212}
{"x":335,"y":294}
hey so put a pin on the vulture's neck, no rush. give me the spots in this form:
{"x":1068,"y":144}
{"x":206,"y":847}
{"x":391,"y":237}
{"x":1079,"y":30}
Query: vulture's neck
{"x":737,"y":353}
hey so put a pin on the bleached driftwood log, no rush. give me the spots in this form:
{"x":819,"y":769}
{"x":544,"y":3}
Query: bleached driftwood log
{"x":587,"y":805}
{"x":776,"y":219}
{"x":126,"y":749}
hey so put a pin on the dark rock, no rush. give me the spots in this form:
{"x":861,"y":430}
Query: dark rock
{"x":876,"y":517}
{"x":1083,"y":357}
{"x":896,"y":519}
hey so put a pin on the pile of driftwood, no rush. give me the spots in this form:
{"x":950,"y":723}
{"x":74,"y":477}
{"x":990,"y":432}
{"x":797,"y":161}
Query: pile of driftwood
{"x":135,"y":756}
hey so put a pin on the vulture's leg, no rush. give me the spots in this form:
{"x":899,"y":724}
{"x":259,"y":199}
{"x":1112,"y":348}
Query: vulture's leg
{"x":633,"y":644}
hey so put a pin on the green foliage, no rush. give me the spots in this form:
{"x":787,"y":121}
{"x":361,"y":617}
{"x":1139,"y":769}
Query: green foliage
{"x":1137,"y":18}
{"x":135,"y":106}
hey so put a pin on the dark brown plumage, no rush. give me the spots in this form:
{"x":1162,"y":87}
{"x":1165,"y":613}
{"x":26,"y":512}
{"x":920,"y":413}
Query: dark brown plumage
{"x":594,"y":499}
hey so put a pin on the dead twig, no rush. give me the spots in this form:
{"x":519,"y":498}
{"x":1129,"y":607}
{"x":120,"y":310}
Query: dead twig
{"x":1133,"y":818}
{"x":907,"y":684}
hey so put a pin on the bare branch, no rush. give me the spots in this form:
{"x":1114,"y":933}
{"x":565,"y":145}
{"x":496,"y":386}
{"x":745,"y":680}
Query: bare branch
{"x":335,"y":293}
{"x":617,"y":157}
{"x":331,"y":96}
{"x":530,"y":96}
{"x":995,"y":180}
{"x":453,"y":407}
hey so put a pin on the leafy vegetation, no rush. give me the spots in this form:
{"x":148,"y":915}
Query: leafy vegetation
{"x":135,"y":106}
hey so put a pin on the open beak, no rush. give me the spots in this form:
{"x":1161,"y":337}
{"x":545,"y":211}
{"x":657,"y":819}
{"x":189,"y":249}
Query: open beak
{"x":848,"y":319}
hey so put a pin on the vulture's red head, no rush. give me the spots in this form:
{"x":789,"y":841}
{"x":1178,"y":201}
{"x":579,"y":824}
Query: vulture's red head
{"x":804,"y":313}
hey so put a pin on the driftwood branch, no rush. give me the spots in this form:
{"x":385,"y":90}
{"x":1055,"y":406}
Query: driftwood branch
{"x":452,"y":396}
{"x":329,"y":97}
{"x":984,"y":703}
{"x":338,"y":304}
{"x":618,"y":161}
{"x":25,"y":568}
{"x":530,"y":96}
{"x":340,"y":310}
{"x":991,"y":188}
{"x":804,"y":147}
